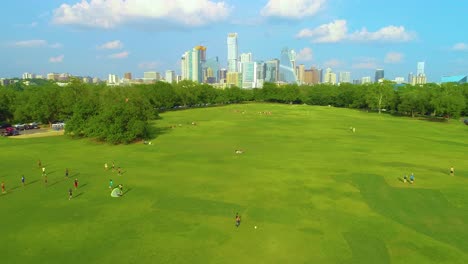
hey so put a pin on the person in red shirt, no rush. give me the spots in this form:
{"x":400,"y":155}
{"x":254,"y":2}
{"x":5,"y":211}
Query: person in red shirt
{"x":76,"y":184}
{"x":3,"y":187}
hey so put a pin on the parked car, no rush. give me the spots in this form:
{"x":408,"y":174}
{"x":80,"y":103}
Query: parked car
{"x":20,"y":126}
{"x":10,"y":131}
{"x":32,"y":125}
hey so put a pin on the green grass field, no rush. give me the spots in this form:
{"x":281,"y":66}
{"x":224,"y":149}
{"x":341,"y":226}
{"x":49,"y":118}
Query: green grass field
{"x":317,"y":192}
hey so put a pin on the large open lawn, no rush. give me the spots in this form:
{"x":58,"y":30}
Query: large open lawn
{"x":317,"y":192}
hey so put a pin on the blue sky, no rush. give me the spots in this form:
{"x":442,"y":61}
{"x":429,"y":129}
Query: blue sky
{"x":98,"y":37}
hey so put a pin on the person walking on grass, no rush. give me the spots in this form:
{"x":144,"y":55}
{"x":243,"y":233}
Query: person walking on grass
{"x":45,"y":179}
{"x":113,"y":165}
{"x":105,"y":166}
{"x":23,"y":180}
{"x":238,"y":220}
{"x":66,"y":172}
{"x":39,"y":163}
{"x":452,"y":171}
{"x":405,"y":178}
{"x":70,"y":193}
{"x":3,"y":187}
{"x":119,"y":171}
{"x":76,"y":184}
{"x":43,"y":171}
{"x":111,"y":183}
{"x":411,"y":178}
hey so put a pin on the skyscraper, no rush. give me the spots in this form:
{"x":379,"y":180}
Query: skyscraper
{"x":287,"y":70}
{"x":128,"y":75}
{"x":232,"y":52}
{"x":192,"y":64}
{"x":300,"y":73}
{"x":316,"y":75}
{"x":420,"y":68}
{"x":272,"y":70}
{"x":170,"y":76}
{"x":330,"y":76}
{"x":345,"y":77}
{"x":379,"y":75}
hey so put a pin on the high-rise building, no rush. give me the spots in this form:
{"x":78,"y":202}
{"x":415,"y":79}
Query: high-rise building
{"x":244,"y":57}
{"x":261,"y":68}
{"x":234,"y":79}
{"x":300,"y":73}
{"x":366,"y":79}
{"x":316,"y":75}
{"x":308,"y":76}
{"x":330,"y":76}
{"x":345,"y":77}
{"x":128,"y":75}
{"x":420,"y":70}
{"x":28,"y":75}
{"x":379,"y":75}
{"x":222,"y":75}
{"x":410,"y":78}
{"x":211,"y":70}
{"x":192,"y":64}
{"x":320,"y":75}
{"x":272,"y":70}
{"x":53,"y":76}
{"x":170,"y":76}
{"x":113,"y":79}
{"x":96,"y":80}
{"x":232,"y":52}
{"x":249,"y":75}
{"x":420,"y":77}
{"x":151,"y":76}
{"x":287,"y":69}
{"x":399,"y":80}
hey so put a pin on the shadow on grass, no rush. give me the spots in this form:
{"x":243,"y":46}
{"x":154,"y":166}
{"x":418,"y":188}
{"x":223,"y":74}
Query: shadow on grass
{"x":84,"y":184}
{"x":56,"y":182}
{"x":78,"y":195}
{"x":154,"y":132}
{"x":31,"y":182}
{"x":126,"y":191}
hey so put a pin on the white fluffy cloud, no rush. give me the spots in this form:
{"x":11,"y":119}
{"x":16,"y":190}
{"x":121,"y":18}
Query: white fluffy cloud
{"x":120,"y":55}
{"x":365,"y":63}
{"x":326,"y":33}
{"x":116,"y":44}
{"x":337,"y":31}
{"x":460,"y":47}
{"x":112,"y":13}
{"x":292,"y":9}
{"x":304,"y":54}
{"x":57,"y":59}
{"x":151,"y":65}
{"x":35,"y":43}
{"x":333,"y":63}
{"x":393,"y":57}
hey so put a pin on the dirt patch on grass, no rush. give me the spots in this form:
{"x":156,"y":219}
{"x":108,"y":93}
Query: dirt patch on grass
{"x":42,"y":133}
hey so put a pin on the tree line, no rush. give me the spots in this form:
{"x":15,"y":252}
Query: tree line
{"x":121,"y":114}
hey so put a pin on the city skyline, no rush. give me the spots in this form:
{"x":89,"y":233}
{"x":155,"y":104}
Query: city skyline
{"x":64,"y":36}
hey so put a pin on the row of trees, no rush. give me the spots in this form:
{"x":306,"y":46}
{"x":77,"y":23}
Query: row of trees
{"x":122,"y":114}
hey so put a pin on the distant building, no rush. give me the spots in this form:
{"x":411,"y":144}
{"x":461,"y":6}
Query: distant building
{"x":300,"y":73}
{"x":87,"y":79}
{"x":287,"y":69}
{"x":151,"y":76}
{"x":345,"y":77}
{"x":420,"y":77}
{"x":357,"y":82}
{"x":272,"y":70}
{"x":39,"y":77}
{"x":460,"y":79}
{"x":96,"y":80}
{"x":4,"y":82}
{"x":28,"y":76}
{"x":53,"y":76}
{"x":113,"y":79}
{"x":192,"y":64}
{"x":249,"y":75}
{"x":410,"y":78}
{"x":420,"y":70}
{"x":128,"y":75}
{"x":365,"y":80}
{"x":330,"y":76}
{"x":379,"y":75}
{"x":222,"y":75}
{"x":399,"y":80}
{"x":170,"y":76}
{"x":232,"y":52}
{"x":234,"y":79}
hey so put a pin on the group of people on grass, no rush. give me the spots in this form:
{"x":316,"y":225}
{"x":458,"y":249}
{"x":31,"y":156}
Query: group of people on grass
{"x":67,"y":173}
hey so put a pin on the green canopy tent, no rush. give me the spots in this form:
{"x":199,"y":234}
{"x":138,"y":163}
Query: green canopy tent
{"x":116,"y":192}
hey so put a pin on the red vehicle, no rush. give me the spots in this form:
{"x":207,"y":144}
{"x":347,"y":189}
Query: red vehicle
{"x":10,"y":131}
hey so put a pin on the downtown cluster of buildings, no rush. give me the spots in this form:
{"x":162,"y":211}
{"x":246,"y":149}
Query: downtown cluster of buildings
{"x":242,"y":71}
